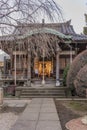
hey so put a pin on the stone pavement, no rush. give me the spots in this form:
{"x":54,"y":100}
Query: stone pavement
{"x":40,"y":114}
{"x":15,"y":103}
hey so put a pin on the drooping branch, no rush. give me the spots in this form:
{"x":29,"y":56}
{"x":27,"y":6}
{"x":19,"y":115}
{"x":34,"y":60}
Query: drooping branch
{"x":26,"y":11}
{"x":36,"y":42}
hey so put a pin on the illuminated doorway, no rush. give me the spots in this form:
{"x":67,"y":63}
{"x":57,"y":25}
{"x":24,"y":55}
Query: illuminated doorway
{"x":38,"y":68}
{"x":47,"y":68}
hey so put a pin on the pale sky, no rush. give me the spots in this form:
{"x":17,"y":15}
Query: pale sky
{"x":74,"y":10}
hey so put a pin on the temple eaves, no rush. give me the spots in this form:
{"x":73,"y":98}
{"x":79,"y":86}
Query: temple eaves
{"x":44,"y":30}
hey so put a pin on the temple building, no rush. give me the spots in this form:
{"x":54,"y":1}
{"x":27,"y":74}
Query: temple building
{"x":40,"y":51}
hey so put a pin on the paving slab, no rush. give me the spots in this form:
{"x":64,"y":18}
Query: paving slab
{"x":37,"y":101}
{"x":16,"y":103}
{"x":48,"y":99}
{"x":20,"y":105}
{"x":11,"y":104}
{"x":47,"y":106}
{"x":31,"y":110}
{"x":47,"y":102}
{"x":29,"y":117}
{"x":48,"y":117}
{"x":24,"y":125}
{"x":11,"y":101}
{"x":40,"y":114}
{"x":48,"y":125}
{"x":47,"y":109}
{"x":34,"y":105}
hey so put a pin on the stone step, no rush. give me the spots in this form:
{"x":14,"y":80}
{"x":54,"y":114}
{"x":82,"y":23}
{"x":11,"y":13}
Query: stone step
{"x":42,"y":96}
{"x":46,"y":90}
{"x":42,"y":88}
{"x":59,"y":94}
{"x":41,"y":92}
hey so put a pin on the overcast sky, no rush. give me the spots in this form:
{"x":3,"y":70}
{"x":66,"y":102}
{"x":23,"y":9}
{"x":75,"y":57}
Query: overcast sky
{"x":74,"y":10}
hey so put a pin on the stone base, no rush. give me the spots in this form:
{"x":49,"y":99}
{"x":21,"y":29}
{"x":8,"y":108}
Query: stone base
{"x":57,"y":83}
{"x":43,"y":82}
{"x":28,"y":83}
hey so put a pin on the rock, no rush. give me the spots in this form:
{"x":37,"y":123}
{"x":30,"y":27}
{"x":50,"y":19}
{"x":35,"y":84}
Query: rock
{"x":84,"y":120}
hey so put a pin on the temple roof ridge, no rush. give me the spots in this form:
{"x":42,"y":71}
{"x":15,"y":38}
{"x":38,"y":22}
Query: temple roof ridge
{"x":45,"y":30}
{"x":63,"y":27}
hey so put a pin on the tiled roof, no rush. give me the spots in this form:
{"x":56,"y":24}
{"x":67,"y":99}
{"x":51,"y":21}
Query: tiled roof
{"x":65,"y":29}
{"x":79,"y":37}
{"x":44,"y":30}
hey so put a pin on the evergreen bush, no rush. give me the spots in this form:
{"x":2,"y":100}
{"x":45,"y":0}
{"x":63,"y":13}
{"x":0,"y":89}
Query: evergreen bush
{"x":65,"y":72}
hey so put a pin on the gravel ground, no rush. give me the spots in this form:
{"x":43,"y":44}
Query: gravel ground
{"x":10,"y":112}
{"x":7,"y":120}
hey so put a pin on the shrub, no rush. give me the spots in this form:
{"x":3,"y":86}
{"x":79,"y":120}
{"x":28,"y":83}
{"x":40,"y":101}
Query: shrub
{"x":80,"y":82}
{"x":79,"y":61}
{"x":65,"y":72}
{"x":77,"y":74}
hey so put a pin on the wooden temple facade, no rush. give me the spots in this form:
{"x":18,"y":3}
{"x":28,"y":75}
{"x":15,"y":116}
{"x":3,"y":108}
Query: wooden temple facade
{"x":40,"y":51}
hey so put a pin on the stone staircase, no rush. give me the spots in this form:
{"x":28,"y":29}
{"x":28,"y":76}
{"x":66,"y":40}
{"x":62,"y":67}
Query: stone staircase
{"x":41,"y":92}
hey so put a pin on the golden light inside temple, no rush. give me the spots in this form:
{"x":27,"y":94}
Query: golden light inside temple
{"x":38,"y":67}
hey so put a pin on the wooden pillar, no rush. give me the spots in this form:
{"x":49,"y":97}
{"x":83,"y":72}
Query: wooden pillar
{"x":11,"y":63}
{"x":57,"y":68}
{"x":29,"y":67}
{"x":4,"y":66}
{"x":43,"y":78}
{"x":36,"y":66}
{"x":70,"y":55}
{"x":15,"y":76}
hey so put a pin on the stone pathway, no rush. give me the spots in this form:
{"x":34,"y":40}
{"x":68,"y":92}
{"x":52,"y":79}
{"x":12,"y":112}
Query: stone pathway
{"x":40,"y":114}
{"x":16,"y":103}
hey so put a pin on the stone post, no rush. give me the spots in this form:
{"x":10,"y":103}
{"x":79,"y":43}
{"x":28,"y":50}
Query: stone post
{"x":57,"y":67}
{"x":1,"y":96}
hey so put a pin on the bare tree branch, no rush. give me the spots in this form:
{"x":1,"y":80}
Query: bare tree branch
{"x":26,"y":11}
